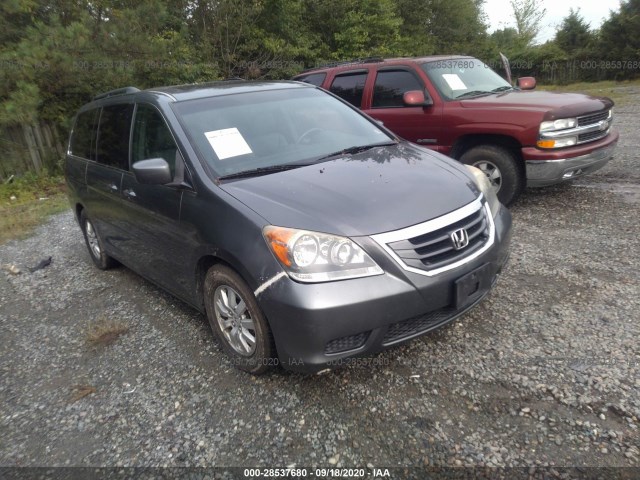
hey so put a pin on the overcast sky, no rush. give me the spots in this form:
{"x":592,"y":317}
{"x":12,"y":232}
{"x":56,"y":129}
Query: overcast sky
{"x":499,"y":13}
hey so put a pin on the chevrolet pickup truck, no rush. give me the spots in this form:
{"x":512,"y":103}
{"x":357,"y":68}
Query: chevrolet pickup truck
{"x":460,"y":107}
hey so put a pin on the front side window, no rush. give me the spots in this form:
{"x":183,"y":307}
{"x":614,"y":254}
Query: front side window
{"x":152,"y":137}
{"x":314,"y":78}
{"x":113,"y":135}
{"x":84,"y":135}
{"x":464,"y":78}
{"x":350,"y":87}
{"x":273,"y":129}
{"x":390,"y":87}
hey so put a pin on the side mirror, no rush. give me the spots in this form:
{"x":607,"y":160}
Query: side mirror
{"x":416,"y":98}
{"x":153,"y":171}
{"x":527,"y":83}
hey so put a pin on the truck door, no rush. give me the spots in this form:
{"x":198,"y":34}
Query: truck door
{"x":418,"y":124}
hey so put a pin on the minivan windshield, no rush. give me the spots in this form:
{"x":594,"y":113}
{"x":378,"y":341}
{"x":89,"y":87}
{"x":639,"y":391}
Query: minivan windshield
{"x":459,"y":78}
{"x":272,"y":130}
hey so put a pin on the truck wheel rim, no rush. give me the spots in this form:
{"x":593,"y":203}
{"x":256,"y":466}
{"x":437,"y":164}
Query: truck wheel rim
{"x":92,"y":239}
{"x":234,"y":320}
{"x":492,"y":172}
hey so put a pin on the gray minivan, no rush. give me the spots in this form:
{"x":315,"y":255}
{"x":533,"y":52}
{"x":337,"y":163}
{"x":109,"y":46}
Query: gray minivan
{"x":306,"y":232}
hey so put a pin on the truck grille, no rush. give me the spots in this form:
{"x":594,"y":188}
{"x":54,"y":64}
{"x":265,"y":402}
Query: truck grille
{"x":593,"y":118}
{"x":591,"y":136}
{"x":435,"y":249}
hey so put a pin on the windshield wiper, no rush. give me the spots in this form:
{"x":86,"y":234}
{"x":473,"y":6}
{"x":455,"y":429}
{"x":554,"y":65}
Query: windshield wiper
{"x":263,"y":171}
{"x":502,"y":89}
{"x":473,"y":93}
{"x":355,"y":149}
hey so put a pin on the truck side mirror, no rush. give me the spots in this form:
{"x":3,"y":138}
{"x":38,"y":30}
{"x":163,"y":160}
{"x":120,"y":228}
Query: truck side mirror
{"x":416,"y":98}
{"x":527,"y":83}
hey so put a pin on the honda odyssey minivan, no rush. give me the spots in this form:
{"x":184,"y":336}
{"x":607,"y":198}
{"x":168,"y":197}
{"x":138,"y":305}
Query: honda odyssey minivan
{"x":306,"y":232}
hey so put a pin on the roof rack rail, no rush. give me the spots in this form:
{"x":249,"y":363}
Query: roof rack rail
{"x":355,"y":61}
{"x":117,"y":91}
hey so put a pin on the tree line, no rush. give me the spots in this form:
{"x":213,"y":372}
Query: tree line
{"x":55,"y":55}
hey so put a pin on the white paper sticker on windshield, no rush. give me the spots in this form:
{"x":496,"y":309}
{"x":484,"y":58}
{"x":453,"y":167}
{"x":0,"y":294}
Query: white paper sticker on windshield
{"x":227,"y":143}
{"x":454,"y":81}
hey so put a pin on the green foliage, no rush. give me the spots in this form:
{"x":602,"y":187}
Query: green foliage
{"x":620,"y":40}
{"x":574,"y":34}
{"x":528,"y":15}
{"x":57,"y":54}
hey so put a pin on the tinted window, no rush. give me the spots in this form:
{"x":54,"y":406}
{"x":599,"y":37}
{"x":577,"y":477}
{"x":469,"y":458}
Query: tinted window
{"x":113,"y":135}
{"x":350,"y":87}
{"x":390,"y":86}
{"x":314,"y":79}
{"x":152,"y":137}
{"x":83,"y":138}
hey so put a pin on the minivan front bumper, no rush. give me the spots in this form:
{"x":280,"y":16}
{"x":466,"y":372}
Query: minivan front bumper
{"x":318,"y":326}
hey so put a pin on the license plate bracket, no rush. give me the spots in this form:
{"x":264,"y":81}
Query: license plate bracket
{"x":470,"y":287}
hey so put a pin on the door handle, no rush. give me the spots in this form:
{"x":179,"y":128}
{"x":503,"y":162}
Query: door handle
{"x":113,"y":187}
{"x":130,"y":193}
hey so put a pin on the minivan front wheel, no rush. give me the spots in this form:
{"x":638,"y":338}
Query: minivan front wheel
{"x":501,"y":168}
{"x":236,"y":319}
{"x":94,"y":244}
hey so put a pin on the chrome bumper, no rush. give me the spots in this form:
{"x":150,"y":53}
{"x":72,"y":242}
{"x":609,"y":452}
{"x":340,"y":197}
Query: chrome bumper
{"x":541,"y":173}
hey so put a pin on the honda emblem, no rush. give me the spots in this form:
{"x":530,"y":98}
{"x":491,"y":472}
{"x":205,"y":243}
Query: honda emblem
{"x":459,"y":238}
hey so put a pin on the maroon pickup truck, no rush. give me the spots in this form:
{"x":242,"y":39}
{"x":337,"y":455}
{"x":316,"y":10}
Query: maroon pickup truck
{"x":460,"y":107}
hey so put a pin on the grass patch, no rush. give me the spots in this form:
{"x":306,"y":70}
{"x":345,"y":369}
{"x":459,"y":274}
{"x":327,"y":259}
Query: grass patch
{"x":619,"y":92}
{"x":27,"y":201}
{"x":105,"y":332}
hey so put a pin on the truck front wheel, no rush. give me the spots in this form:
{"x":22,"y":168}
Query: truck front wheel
{"x":501,"y":168}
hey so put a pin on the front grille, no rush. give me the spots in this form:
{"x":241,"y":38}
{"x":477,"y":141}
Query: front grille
{"x":435,"y":249}
{"x":591,"y":136}
{"x":593,"y":118}
{"x":408,"y":328}
{"x":344,"y":344}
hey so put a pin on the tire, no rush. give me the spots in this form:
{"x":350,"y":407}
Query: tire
{"x":94,"y":244}
{"x":236,"y":318}
{"x":502,"y":168}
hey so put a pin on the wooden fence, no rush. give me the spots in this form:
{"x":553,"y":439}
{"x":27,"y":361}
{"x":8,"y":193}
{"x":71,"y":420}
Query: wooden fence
{"x":30,"y":148}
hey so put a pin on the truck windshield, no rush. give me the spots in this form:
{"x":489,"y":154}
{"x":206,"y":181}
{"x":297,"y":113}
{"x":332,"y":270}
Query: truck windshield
{"x":272,"y":130}
{"x":464,"y":78}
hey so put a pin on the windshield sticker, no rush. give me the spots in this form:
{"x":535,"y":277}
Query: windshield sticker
{"x":454,"y":81}
{"x":227,"y":143}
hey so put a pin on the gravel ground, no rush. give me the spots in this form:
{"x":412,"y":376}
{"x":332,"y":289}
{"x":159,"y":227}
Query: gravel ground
{"x":543,"y":373}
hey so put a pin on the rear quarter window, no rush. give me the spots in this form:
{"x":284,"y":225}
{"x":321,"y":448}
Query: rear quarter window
{"x":113,"y":135}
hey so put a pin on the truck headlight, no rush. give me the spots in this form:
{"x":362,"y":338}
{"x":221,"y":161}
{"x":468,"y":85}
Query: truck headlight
{"x":318,"y":257}
{"x":560,"y":124}
{"x":486,"y":188}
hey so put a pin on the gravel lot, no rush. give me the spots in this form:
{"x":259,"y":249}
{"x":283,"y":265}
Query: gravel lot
{"x":545,"y":372}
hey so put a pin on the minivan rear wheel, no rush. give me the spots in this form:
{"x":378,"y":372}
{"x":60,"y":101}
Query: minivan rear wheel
{"x":236,"y":319}
{"x":501,"y":168}
{"x":95,"y":244}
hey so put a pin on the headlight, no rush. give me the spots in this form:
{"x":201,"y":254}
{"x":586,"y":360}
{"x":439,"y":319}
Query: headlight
{"x":318,"y":257}
{"x":486,"y":188}
{"x":557,"y":142}
{"x":560,"y":124}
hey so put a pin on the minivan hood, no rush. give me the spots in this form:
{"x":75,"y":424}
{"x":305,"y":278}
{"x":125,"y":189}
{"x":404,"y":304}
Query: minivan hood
{"x":561,"y":105}
{"x":379,"y":190}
